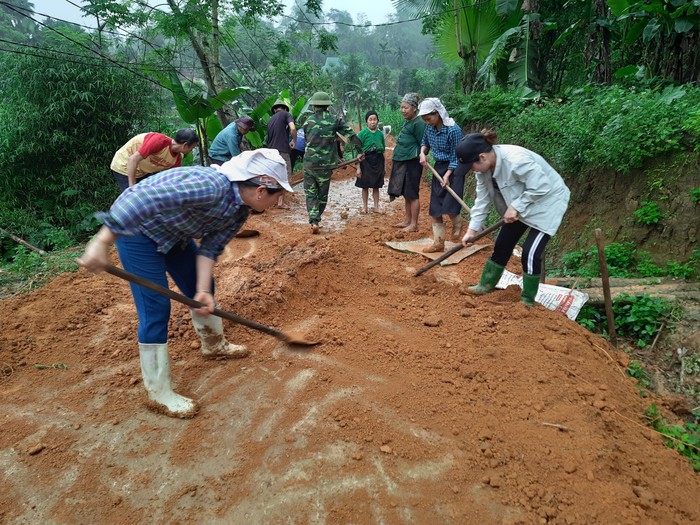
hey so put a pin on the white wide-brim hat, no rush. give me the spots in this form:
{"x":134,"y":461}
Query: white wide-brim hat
{"x":263,"y":162}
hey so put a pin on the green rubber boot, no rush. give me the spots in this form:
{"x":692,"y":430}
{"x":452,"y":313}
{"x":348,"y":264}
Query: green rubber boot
{"x":531,"y":283}
{"x":489,"y":278}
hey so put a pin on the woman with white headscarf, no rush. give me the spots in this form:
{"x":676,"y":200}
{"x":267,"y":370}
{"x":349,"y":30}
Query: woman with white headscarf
{"x":154,"y":224}
{"x":441,"y":137}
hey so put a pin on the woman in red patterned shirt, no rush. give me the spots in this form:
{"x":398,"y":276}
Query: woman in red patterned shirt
{"x":149,"y":153}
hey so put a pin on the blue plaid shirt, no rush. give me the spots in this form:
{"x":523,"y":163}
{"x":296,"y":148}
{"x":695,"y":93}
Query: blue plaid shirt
{"x":180,"y":204}
{"x":443,"y":143}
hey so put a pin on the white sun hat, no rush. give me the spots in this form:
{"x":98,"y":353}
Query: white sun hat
{"x":263,"y":163}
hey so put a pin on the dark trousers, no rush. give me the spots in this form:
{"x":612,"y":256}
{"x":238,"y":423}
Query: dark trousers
{"x":533,"y":249}
{"x":123,"y":180}
{"x":294,"y":155}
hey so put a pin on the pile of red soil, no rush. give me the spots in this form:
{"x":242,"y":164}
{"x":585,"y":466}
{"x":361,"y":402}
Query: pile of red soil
{"x":420,"y":405}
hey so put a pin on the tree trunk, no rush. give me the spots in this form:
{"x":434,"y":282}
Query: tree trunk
{"x":208,"y":54}
{"x":598,"y":48}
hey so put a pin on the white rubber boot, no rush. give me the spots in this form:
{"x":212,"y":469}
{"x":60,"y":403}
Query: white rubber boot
{"x":438,"y":239}
{"x":457,"y":222}
{"x":214,"y":344}
{"x":155,"y":370}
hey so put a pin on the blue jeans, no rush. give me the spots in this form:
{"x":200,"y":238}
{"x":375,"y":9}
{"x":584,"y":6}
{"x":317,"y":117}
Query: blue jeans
{"x":139,"y":255}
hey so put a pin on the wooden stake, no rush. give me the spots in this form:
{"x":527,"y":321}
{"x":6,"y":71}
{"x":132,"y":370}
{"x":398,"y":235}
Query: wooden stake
{"x":23,"y":242}
{"x":605,"y":278}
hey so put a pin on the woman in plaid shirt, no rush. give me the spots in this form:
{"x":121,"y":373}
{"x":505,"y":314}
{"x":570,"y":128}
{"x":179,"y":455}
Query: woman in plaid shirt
{"x":441,"y":137}
{"x":154,"y":224}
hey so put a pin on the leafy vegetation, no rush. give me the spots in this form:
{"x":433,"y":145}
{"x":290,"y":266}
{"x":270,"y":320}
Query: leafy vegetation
{"x":648,"y":213}
{"x":637,"y":318}
{"x":61,"y":122}
{"x":625,"y":260}
{"x":685,"y":438}
{"x":695,"y":195}
{"x":636,"y":370}
{"x":28,"y":270}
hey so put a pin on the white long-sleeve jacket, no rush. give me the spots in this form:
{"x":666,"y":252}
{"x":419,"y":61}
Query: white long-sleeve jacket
{"x":528,"y":183}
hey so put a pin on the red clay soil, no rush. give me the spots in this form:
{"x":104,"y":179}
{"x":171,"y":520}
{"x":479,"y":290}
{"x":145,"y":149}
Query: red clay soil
{"x":420,"y":405}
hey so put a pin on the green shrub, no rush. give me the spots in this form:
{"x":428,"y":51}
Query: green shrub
{"x":590,"y":317}
{"x":636,"y":370}
{"x":684,"y":438}
{"x":490,"y":108}
{"x":649,"y":213}
{"x":637,"y":318}
{"x":625,"y":260}
{"x":695,"y":195}
{"x":691,"y":125}
{"x":640,"y":317}
{"x":62,"y":124}
{"x":595,"y":129}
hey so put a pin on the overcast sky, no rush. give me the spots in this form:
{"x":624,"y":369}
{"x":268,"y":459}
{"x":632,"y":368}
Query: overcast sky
{"x":375,"y":10}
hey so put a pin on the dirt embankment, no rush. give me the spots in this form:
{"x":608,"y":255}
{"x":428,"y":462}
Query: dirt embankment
{"x":420,"y":405}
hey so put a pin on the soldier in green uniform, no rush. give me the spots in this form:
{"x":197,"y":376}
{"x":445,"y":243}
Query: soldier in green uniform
{"x":321,"y":152}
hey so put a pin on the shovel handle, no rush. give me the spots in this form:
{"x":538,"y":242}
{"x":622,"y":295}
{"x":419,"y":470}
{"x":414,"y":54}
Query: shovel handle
{"x":454,"y":250}
{"x":336,"y":166}
{"x":450,"y":190}
{"x":136,"y":279}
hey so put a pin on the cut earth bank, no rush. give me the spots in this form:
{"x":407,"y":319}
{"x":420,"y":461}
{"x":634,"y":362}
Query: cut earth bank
{"x":420,"y":405}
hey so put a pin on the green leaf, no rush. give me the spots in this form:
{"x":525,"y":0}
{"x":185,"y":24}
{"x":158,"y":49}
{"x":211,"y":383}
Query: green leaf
{"x":683,"y":25}
{"x":618,"y":7}
{"x":650,"y":31}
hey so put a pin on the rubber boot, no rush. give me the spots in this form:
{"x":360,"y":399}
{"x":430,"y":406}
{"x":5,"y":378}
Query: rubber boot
{"x":210,"y":329}
{"x":155,"y":370}
{"x":489,"y":278}
{"x":438,"y":239}
{"x":457,"y":222}
{"x":531,"y":283}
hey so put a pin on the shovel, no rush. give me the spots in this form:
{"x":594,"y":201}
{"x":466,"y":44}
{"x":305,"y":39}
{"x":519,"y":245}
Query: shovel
{"x":244,"y":234}
{"x":454,"y":250}
{"x":287,"y":338}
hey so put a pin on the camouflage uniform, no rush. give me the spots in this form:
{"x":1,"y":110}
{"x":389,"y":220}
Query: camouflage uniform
{"x":321,"y":150}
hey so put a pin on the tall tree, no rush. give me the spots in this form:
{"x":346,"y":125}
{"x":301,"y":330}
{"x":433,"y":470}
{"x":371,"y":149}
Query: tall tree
{"x":198,"y":21}
{"x":16,"y":24}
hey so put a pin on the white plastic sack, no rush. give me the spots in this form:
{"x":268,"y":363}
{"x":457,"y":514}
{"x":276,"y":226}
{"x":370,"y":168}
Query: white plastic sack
{"x":556,"y":298}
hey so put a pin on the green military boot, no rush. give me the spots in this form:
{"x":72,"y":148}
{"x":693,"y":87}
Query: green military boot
{"x":531,"y":283}
{"x":489,"y":278}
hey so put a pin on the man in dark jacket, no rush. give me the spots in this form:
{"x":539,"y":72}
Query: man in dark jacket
{"x":279,"y":128}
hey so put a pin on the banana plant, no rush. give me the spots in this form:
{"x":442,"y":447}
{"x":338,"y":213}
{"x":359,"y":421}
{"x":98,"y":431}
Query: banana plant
{"x":199,"y":107}
{"x":480,"y":35}
{"x":262,"y":112}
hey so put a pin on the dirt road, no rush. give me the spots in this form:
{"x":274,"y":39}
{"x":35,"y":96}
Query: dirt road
{"x":421,"y":404}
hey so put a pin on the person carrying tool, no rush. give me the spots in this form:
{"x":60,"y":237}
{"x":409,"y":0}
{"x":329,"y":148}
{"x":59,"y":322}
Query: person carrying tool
{"x":279,"y":128}
{"x":227,"y":144}
{"x":526,"y":191}
{"x":321,"y":154}
{"x":370,"y":172}
{"x":406,"y":169}
{"x":149,"y":153}
{"x":441,"y":137}
{"x":154,"y":225}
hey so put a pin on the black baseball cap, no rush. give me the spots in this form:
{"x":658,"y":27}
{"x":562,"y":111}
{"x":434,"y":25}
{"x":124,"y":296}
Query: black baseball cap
{"x":468,"y":150}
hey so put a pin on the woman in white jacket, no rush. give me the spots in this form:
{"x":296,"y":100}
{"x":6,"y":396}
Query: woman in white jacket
{"x":526,"y":191}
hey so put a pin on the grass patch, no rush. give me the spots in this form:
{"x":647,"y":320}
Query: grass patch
{"x":29,"y":270}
